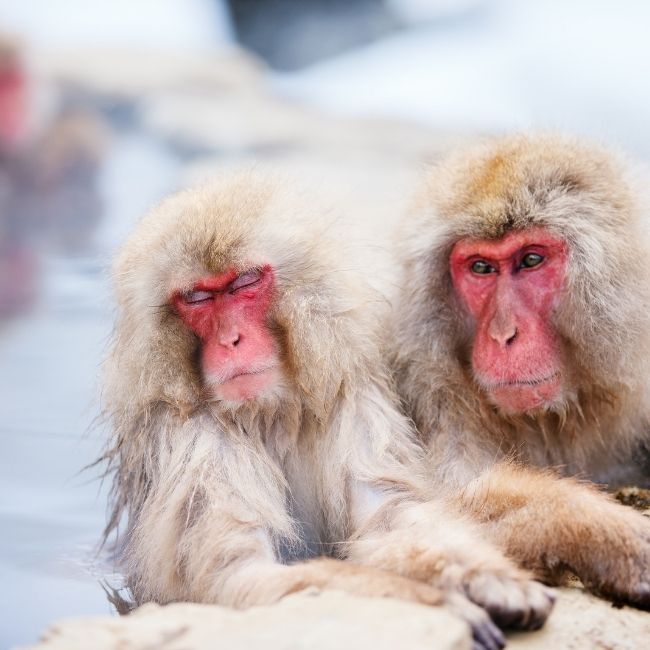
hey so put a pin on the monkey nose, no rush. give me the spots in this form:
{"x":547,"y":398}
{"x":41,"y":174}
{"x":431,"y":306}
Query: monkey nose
{"x":229,"y":339}
{"x":504,"y":335}
{"x":509,"y":339}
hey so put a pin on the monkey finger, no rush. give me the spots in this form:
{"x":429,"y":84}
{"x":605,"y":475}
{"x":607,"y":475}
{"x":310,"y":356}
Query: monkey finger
{"x":637,"y":595}
{"x":517,"y":604}
{"x":485,"y":633}
{"x":640,"y":596}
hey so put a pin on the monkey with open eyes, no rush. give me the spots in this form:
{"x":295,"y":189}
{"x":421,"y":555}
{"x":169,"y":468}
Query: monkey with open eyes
{"x":257,"y":445}
{"x":521,"y":340}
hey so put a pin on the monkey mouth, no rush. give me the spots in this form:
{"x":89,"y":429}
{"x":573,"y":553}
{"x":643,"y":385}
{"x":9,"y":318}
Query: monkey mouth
{"x":521,"y":383}
{"x":240,"y":385}
{"x":525,"y":395}
{"x":236,"y":374}
{"x":250,"y":373}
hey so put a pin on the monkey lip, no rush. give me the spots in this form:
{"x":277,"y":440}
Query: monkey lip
{"x":524,"y":395}
{"x":521,"y":383}
{"x":249,"y":372}
{"x":240,"y":385}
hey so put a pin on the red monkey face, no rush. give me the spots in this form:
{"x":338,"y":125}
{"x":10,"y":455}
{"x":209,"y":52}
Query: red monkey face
{"x":228,"y":312}
{"x":13,"y":104}
{"x":510,"y":287}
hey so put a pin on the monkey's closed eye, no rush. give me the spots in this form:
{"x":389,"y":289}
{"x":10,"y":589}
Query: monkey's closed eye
{"x":530,"y":260}
{"x":481,"y":267}
{"x":246,"y":280}
{"x":195,"y":297}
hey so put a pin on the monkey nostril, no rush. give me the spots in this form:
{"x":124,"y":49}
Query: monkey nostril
{"x":236,"y":341}
{"x":511,"y":338}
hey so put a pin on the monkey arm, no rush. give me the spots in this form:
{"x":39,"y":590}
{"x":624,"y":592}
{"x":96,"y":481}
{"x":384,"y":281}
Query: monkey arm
{"x":558,"y":526}
{"x":398,"y":527}
{"x":555,"y":527}
{"x":210,"y":526}
{"x":425,"y":541}
{"x":197,"y":528}
{"x":454,"y":458}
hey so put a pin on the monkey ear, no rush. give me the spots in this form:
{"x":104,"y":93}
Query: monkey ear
{"x":313,"y":352}
{"x":174,"y":374}
{"x":161,"y":367}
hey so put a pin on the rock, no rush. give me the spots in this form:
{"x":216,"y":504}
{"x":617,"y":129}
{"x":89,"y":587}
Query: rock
{"x":583,"y":622}
{"x":314,"y":620}
{"x":311,"y":620}
{"x":260,"y":123}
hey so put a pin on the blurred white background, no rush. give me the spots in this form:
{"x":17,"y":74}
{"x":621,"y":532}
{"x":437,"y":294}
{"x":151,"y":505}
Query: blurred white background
{"x":576,"y":65}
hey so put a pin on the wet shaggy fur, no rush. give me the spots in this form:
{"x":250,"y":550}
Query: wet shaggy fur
{"x":242,"y":503}
{"x":597,"y":202}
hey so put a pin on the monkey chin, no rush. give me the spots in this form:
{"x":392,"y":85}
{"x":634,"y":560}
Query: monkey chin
{"x":523,"y":397}
{"x":247,"y":387}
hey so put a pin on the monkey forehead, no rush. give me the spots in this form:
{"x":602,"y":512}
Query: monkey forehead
{"x":222,"y":225}
{"x":241,"y":221}
{"x":506,"y":246}
{"x":536,"y":162}
{"x":217,"y":282}
{"x":511,"y":183}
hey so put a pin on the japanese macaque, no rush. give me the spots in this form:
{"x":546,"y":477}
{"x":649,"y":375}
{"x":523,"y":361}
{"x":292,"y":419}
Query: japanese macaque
{"x":13,"y":95}
{"x":522,"y":336}
{"x":257,"y":444}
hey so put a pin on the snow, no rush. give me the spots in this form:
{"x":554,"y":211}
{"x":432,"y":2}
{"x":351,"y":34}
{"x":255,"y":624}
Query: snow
{"x":581,"y":66}
{"x":152,"y":24}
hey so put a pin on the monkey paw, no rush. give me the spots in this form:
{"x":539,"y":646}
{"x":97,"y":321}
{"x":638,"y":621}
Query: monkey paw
{"x":513,"y":600}
{"x":485,"y":634}
{"x":623,"y":574}
{"x":367,"y":581}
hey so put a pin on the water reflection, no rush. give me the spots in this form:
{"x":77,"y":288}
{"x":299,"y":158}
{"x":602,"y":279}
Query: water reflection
{"x":49,"y":197}
{"x":69,"y":188}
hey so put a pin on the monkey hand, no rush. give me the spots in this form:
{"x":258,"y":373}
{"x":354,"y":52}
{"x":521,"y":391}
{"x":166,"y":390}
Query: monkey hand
{"x":617,"y":564}
{"x":428,"y":542}
{"x":509,"y":595}
{"x":486,"y":635}
{"x":367,"y":581}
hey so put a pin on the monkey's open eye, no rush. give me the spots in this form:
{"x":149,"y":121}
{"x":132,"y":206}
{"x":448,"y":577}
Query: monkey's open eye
{"x":530,"y":260}
{"x":482,"y":267}
{"x":246,"y":280}
{"x":195,"y":297}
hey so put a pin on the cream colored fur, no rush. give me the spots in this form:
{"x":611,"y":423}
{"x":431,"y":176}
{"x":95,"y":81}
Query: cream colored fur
{"x":235,"y":503}
{"x":597,"y":202}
